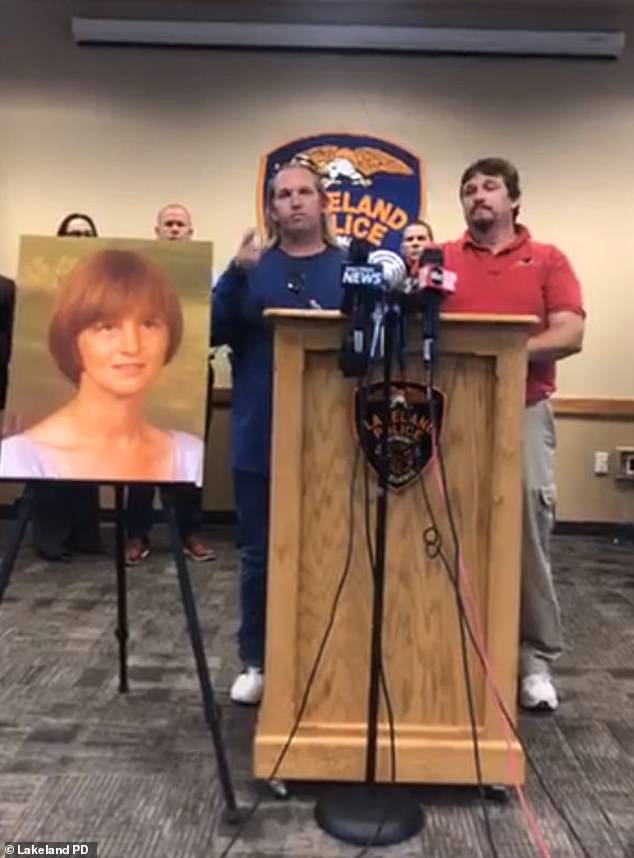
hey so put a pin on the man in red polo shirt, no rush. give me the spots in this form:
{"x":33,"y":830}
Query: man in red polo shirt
{"x":501,"y":269}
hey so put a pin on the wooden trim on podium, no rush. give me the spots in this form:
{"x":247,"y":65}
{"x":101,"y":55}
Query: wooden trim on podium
{"x":285,"y":525}
{"x":505,"y":582}
{"x":329,"y":315}
{"x":599,"y":407}
{"x":222,"y":396}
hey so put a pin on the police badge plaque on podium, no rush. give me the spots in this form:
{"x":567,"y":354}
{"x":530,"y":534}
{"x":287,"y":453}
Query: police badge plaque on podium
{"x":409,"y":432}
{"x":318,"y":531}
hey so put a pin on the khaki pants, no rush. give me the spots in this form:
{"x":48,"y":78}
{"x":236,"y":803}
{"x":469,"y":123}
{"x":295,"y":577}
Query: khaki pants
{"x":541,"y":634}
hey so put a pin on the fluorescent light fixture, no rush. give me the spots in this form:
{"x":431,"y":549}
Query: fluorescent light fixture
{"x":349,"y":37}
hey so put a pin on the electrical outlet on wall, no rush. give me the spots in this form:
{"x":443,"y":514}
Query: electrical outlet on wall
{"x":601,"y":462}
{"x":625,"y":463}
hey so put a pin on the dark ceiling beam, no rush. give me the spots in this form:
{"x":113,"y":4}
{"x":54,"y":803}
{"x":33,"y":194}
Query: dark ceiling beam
{"x":547,"y":14}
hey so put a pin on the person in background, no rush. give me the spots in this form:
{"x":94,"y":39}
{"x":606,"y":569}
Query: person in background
{"x":77,"y":225}
{"x":299,"y":267}
{"x":417,"y":235}
{"x":173,"y":223}
{"x":500,"y":268}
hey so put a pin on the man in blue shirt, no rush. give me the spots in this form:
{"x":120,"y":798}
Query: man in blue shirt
{"x":298,"y":267}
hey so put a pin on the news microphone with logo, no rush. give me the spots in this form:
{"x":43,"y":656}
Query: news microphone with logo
{"x":362,"y":284}
{"x":435,"y":283}
{"x":392,"y":267}
{"x":394,"y":277}
{"x":361,"y":280}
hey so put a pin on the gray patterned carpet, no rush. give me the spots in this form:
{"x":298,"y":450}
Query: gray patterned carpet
{"x":136,"y":773}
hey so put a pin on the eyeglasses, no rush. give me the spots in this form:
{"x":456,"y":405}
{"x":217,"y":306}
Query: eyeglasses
{"x":79,"y":233}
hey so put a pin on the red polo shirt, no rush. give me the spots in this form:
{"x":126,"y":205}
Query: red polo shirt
{"x":525,"y":277}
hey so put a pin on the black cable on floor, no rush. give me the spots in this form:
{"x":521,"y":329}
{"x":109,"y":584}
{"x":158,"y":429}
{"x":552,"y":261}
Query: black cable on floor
{"x":433,"y":542}
{"x":461,"y":612}
{"x":313,"y":672}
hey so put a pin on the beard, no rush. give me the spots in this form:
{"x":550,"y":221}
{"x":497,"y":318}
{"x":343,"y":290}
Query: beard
{"x":481,"y":224}
{"x":482,"y":220}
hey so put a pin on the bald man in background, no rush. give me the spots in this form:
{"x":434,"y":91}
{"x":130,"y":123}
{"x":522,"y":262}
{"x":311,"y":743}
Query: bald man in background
{"x":173,"y":223}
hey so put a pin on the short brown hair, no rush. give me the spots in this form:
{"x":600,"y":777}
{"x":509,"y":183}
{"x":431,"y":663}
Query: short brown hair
{"x":107,"y":285}
{"x":423,"y":223}
{"x":494,"y":167}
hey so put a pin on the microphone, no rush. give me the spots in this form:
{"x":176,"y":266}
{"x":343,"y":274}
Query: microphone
{"x":296,"y":283}
{"x":413,"y":273}
{"x":434,"y":284}
{"x":392,"y":266}
{"x":367,"y":278}
{"x":359,"y":276}
{"x":358,"y":251}
{"x":362,"y":284}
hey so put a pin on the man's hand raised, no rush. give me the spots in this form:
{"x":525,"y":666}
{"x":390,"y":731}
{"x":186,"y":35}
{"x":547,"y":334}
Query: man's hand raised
{"x":250,"y":251}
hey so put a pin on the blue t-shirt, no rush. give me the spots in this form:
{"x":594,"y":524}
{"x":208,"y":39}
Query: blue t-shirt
{"x":239,"y":299}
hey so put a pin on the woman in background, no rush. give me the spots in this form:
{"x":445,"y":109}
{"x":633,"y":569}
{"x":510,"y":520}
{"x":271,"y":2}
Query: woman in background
{"x":76,"y":225}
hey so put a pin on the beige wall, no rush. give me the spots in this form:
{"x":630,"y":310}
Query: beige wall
{"x":582,"y":496}
{"x":118,"y":132}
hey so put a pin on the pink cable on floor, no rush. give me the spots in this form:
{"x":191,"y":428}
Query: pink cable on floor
{"x":474,"y":620}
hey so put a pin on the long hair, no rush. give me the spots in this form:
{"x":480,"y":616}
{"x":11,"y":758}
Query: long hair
{"x":273,"y":236}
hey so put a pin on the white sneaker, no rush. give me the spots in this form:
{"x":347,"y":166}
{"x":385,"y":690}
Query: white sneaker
{"x":248,"y":687}
{"x":538,"y":692}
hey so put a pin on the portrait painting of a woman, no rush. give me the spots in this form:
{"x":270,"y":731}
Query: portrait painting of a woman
{"x":117,"y":321}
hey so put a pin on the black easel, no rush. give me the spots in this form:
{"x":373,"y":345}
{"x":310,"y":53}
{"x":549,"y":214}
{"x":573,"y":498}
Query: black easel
{"x":198,"y":650}
{"x":24,"y":513}
{"x":121,"y":632}
{"x":371,"y":813}
{"x":211,"y":709}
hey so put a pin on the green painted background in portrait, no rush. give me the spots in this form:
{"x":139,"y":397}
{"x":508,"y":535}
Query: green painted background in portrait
{"x":36,"y":387}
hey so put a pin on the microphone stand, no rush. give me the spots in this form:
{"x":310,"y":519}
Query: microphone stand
{"x":370,"y":813}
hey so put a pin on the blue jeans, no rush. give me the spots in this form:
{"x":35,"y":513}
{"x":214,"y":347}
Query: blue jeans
{"x":252,"y":503}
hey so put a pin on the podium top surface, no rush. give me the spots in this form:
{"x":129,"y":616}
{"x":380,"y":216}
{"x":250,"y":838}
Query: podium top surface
{"x":461,"y":318}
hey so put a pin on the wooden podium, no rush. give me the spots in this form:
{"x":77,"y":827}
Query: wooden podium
{"x":481,"y":371}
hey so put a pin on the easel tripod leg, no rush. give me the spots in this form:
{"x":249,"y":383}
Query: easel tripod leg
{"x":202,"y":668}
{"x":25,"y":509}
{"x":121,"y":632}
